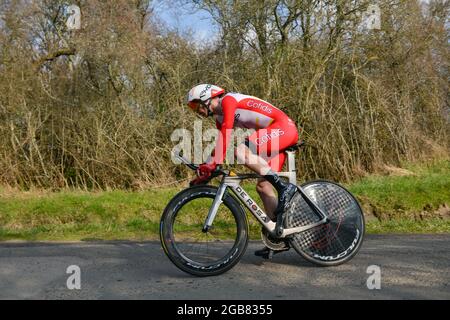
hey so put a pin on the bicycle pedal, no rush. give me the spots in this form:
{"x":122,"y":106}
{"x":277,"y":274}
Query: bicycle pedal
{"x":268,"y":255}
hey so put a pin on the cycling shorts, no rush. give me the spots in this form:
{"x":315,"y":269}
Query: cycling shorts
{"x":270,"y":143}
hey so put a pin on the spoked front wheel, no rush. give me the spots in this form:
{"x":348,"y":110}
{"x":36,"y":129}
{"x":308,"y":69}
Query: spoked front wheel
{"x":189,"y":247}
{"x":336,"y":241}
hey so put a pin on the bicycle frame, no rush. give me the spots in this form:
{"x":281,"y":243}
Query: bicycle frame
{"x":232,"y":181}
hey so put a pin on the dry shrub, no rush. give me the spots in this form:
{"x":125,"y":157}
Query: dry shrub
{"x":95,"y":108}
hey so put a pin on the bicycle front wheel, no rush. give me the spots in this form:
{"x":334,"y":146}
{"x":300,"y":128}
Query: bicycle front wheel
{"x":336,"y":241}
{"x":203,"y":253}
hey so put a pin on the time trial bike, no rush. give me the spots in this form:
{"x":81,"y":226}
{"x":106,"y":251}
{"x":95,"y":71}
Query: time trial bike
{"x":204,"y":229}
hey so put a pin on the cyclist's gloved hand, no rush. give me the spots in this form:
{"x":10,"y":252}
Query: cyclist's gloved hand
{"x":204,"y":173}
{"x":199,"y":180}
{"x":206,"y":169}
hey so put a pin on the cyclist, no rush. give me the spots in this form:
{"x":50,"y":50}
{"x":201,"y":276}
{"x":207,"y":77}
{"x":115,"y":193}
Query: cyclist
{"x":262,"y":151}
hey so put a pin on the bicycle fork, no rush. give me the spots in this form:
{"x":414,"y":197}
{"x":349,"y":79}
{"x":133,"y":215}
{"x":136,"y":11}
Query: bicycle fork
{"x":214,"y":208}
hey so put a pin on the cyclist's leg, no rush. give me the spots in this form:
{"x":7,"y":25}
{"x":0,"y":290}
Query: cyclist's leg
{"x":267,"y":144}
{"x":268,"y":197}
{"x":265,"y":188}
{"x":262,"y":167}
{"x":270,"y":201}
{"x":259,"y":165}
{"x":264,"y":155}
{"x":251,"y":159}
{"x":276,"y":158}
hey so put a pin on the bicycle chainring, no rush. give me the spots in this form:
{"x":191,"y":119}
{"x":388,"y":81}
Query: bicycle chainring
{"x":271,"y":243}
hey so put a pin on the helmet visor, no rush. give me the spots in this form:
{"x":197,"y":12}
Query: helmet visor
{"x":194,"y":105}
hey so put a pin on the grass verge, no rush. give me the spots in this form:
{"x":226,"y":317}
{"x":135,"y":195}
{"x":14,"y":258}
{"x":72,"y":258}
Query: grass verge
{"x":416,"y":201}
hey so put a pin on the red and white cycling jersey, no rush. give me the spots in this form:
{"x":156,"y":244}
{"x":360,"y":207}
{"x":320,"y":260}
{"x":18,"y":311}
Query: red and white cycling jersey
{"x":248,"y":112}
{"x":275,"y":131}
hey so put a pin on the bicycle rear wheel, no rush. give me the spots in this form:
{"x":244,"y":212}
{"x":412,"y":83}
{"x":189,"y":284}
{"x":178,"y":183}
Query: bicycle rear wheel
{"x":335,"y":242}
{"x":197,"y":252}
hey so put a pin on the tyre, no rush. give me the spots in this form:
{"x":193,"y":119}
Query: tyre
{"x":188,"y":247}
{"x":335,"y":242}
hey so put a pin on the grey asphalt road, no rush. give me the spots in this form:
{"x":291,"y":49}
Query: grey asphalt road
{"x":412,"y":267}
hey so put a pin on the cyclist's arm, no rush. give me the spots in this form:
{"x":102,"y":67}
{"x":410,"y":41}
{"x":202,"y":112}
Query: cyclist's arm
{"x":229,"y":106}
{"x":212,"y":156}
{"x":218,"y":125}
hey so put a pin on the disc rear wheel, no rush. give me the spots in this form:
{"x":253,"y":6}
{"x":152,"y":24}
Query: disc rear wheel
{"x":336,"y":241}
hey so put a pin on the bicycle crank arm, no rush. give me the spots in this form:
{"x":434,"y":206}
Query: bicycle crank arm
{"x":214,"y":208}
{"x":287,"y":232}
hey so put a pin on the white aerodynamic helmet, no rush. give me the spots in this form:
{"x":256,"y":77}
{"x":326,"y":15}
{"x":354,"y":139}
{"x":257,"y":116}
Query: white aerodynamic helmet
{"x":201,"y":94}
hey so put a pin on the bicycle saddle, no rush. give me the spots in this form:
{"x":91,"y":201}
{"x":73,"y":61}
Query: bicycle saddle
{"x":295,"y":147}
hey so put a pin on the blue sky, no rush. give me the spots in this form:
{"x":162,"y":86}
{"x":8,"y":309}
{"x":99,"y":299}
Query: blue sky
{"x":185,"y":18}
